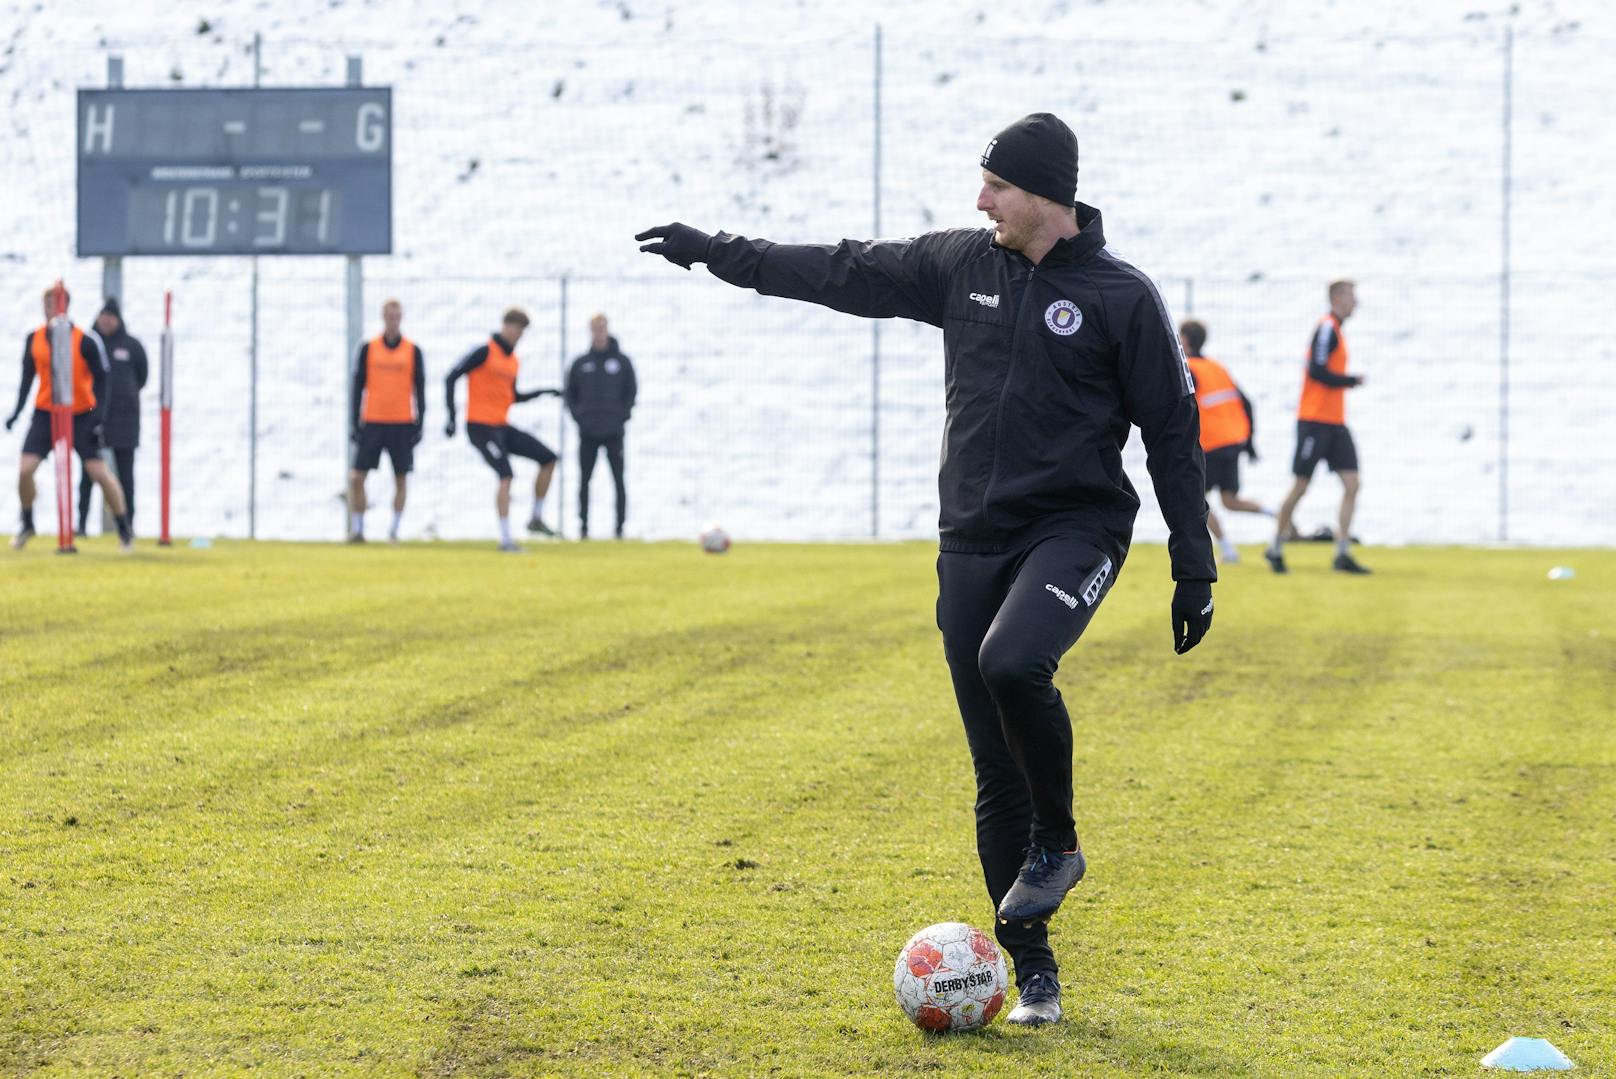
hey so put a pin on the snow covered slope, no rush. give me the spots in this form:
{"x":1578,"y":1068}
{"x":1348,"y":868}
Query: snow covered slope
{"x":1242,"y":153}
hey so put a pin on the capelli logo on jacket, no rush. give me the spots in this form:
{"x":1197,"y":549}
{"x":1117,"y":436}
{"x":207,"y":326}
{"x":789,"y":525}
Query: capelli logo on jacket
{"x":986,"y":301}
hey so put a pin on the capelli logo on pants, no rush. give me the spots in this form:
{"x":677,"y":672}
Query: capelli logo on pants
{"x":1093,"y":587}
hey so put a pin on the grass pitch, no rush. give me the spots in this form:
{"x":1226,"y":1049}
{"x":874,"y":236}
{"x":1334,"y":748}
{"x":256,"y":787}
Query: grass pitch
{"x":631,"y":809}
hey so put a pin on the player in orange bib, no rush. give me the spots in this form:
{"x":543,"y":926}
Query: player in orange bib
{"x":389,"y":404}
{"x":490,"y":373}
{"x":89,"y":413}
{"x":1321,"y":430}
{"x":1228,"y":429}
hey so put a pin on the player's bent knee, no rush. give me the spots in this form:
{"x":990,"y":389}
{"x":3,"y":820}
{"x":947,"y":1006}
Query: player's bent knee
{"x":1010,"y":672}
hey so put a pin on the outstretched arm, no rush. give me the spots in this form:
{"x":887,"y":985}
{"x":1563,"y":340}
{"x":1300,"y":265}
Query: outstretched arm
{"x":870,"y":278}
{"x":530,"y":395}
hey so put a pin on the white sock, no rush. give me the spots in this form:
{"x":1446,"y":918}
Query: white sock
{"x":356,"y":522}
{"x":505,"y":530}
{"x":1227,"y":546}
{"x":1343,"y":546}
{"x":1278,"y":546}
{"x":398,"y":518}
{"x":538,"y":508}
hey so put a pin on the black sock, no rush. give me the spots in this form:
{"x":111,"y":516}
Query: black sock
{"x":28,"y":518}
{"x":123,"y":526}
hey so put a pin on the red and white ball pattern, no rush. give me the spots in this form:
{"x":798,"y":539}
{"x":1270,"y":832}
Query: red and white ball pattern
{"x":950,"y":977}
{"x":714,"y":540}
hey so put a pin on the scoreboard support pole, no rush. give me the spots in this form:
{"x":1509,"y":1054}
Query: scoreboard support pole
{"x":353,"y":300}
{"x":111,"y":289}
{"x":166,"y":385}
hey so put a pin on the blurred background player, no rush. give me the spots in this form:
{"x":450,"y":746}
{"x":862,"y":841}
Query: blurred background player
{"x":490,"y":371}
{"x":1228,"y":429}
{"x":126,"y":377}
{"x":600,"y":396}
{"x":89,"y":412}
{"x":389,"y":407}
{"x":1321,"y":430}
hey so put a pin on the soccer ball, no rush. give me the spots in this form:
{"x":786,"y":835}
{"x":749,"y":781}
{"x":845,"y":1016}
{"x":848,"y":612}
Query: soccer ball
{"x":950,"y":977}
{"x":714,"y":540}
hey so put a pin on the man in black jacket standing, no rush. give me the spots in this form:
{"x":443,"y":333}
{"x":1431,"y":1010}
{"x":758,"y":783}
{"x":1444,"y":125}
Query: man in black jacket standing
{"x":126,"y":377}
{"x":600,"y":396}
{"x":1053,"y":349}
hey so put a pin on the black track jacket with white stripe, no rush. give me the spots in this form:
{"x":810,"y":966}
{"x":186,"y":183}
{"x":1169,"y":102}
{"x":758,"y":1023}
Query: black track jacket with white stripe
{"x":1045,"y":369}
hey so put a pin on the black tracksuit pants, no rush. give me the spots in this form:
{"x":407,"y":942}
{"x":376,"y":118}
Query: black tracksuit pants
{"x":589,"y":448}
{"x":1007,"y":619}
{"x":124,"y":460}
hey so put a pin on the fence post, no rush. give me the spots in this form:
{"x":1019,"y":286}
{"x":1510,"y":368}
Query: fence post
{"x":1504,"y":285}
{"x":561,"y":419}
{"x":875,"y":324}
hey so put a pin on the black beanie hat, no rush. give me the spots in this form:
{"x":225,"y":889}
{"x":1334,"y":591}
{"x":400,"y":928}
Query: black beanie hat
{"x":111,"y":308}
{"x":1037,"y":153}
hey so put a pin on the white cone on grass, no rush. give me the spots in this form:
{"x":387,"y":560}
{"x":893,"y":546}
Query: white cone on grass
{"x":1527,"y":1055}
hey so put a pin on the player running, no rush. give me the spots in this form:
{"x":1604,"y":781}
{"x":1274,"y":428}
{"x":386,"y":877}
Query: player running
{"x":1228,"y":428}
{"x":1053,"y":347}
{"x":389,"y":407}
{"x":89,"y":414}
{"x":490,"y":372}
{"x":1321,"y":430}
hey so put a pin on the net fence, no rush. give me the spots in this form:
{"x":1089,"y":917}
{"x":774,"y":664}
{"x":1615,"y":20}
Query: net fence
{"x":1457,"y":178}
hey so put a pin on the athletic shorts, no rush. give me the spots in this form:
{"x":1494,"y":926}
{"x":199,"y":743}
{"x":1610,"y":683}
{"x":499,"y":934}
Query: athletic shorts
{"x":499,"y":444}
{"x":398,"y":439}
{"x":38,"y":439}
{"x":1327,"y":442}
{"x":1223,"y":469}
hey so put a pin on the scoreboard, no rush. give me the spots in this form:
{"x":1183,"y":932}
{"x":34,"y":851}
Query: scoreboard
{"x":235,"y":172}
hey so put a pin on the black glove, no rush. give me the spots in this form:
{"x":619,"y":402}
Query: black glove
{"x":1251,"y":449}
{"x":415,"y":436}
{"x":1192,"y":614}
{"x":11,"y":422}
{"x":355,"y":433}
{"x":97,"y":428}
{"x":449,"y":428}
{"x":679,"y":244}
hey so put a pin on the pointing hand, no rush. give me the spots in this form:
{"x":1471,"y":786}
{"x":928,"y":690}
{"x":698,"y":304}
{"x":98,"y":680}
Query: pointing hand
{"x":679,"y":244}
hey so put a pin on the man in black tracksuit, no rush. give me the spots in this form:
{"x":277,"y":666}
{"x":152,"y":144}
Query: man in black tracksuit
{"x":126,"y":377}
{"x":1053,"y":348}
{"x":600,"y":396}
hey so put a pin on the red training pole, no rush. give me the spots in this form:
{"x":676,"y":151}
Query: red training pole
{"x":60,"y":335}
{"x":167,"y":390}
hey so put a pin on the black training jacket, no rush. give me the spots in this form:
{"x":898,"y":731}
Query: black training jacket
{"x":1045,"y":368}
{"x":601,"y":390}
{"x":127,"y":370}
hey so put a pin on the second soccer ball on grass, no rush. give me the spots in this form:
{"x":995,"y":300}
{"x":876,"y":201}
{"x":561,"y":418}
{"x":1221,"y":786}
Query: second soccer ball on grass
{"x":714,"y":540}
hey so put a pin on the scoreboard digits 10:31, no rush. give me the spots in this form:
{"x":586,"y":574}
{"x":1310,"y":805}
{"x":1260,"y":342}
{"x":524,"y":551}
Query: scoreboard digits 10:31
{"x":235,"y":172}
